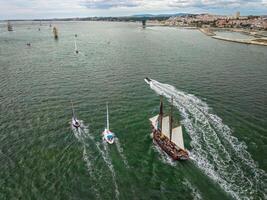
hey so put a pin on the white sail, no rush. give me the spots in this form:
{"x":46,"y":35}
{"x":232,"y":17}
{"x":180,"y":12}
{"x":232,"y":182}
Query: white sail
{"x":177,"y":137}
{"x":177,"y":133}
{"x":154,"y":121}
{"x":75,"y":44}
{"x":166,"y":126}
{"x":107,"y":118}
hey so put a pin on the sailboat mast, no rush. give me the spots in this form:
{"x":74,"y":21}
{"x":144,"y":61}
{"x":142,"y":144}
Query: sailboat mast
{"x":171,"y":118}
{"x":75,"y":44}
{"x":72,"y":109}
{"x":160,"y":113}
{"x":107,"y":118}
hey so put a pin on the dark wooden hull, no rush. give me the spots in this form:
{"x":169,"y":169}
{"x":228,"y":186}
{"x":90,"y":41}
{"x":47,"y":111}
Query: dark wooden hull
{"x":168,"y":146}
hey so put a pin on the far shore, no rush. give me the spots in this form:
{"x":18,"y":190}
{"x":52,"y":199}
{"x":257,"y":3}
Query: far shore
{"x":259,"y":39}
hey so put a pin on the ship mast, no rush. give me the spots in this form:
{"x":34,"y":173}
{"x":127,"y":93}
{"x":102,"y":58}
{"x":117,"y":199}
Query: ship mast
{"x":107,"y":117}
{"x":160,"y":114}
{"x":171,"y":118}
{"x":73,"y":114}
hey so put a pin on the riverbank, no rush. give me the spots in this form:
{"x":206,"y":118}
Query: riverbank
{"x":248,"y":41}
{"x":258,"y":38}
{"x":207,"y":31}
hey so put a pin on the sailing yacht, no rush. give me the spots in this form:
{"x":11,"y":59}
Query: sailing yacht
{"x":75,"y":45}
{"x":9,"y":26}
{"x":169,"y":139}
{"x":74,"y":121}
{"x":108,"y":136}
{"x":55,"y":32}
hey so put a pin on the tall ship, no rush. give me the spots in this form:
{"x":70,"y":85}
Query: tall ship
{"x":9,"y":26}
{"x":55,"y":32}
{"x":169,"y":139}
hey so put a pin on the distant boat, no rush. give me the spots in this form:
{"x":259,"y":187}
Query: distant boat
{"x":169,"y":139}
{"x":144,"y":23}
{"x":75,"y":45}
{"x":74,"y":121}
{"x":55,"y":32}
{"x":9,"y":26}
{"x":108,"y":136}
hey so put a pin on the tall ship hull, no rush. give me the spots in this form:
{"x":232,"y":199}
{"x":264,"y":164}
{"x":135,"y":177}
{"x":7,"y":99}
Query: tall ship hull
{"x":169,"y":139}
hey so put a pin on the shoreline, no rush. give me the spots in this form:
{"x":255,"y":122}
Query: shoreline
{"x":260,"y":40}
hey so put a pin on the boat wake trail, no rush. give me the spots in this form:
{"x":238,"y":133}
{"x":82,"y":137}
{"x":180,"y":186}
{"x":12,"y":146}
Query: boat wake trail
{"x":196,"y":194}
{"x":120,"y":150}
{"x":164,"y":157}
{"x":219,"y":154}
{"x":105,"y":155}
{"x":82,"y":134}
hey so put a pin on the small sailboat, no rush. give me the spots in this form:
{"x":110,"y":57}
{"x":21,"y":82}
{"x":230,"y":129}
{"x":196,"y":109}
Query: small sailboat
{"x":55,"y":32}
{"x":9,"y":26}
{"x":75,"y":45}
{"x":169,"y":139}
{"x":108,"y":136}
{"x":74,"y":121}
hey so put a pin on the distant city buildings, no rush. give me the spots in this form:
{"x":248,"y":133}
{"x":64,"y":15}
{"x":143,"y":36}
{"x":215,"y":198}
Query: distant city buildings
{"x":219,"y":21}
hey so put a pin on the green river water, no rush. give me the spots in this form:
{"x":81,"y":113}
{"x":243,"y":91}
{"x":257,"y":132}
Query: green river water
{"x":220,"y":96}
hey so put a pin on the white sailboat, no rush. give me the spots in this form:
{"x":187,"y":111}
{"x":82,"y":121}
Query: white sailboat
{"x":74,"y":121}
{"x":9,"y":26}
{"x":75,"y":46}
{"x":108,"y":136}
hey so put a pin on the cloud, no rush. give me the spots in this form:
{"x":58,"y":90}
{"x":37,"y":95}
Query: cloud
{"x":29,"y":9}
{"x":106,"y":4}
{"x":215,"y":3}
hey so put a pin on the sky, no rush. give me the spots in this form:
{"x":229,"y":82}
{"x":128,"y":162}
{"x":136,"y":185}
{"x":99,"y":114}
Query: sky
{"x":46,"y":9}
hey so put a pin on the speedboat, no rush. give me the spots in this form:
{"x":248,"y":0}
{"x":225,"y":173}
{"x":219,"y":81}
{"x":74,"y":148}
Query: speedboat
{"x":147,"y":80}
{"x":108,"y":136}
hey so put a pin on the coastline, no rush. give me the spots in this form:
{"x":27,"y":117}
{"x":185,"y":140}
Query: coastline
{"x":260,"y":40}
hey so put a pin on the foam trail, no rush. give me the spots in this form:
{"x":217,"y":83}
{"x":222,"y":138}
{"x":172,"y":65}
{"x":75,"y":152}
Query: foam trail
{"x":219,"y":154}
{"x":90,"y":169}
{"x":165,"y":158}
{"x":120,"y":150}
{"x":105,"y":155}
{"x":195,"y":192}
{"x":81,"y":134}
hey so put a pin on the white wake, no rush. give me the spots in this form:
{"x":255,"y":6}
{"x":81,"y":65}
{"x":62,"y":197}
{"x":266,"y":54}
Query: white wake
{"x":214,"y":150}
{"x":82,"y":134}
{"x":121,"y":153}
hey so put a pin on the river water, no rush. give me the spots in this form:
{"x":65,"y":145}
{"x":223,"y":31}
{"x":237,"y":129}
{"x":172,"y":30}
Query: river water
{"x":220,"y":96}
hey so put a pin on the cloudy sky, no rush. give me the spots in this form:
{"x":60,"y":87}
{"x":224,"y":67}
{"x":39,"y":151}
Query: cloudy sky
{"x":32,"y":9}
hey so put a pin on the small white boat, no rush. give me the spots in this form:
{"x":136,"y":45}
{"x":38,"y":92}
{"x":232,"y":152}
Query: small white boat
{"x":74,"y":121}
{"x":75,"y":45}
{"x":108,"y":136}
